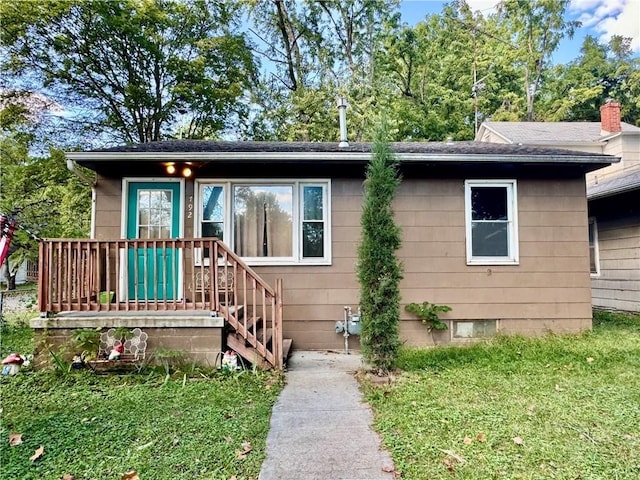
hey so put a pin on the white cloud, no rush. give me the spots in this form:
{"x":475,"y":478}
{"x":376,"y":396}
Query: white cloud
{"x":485,"y":6}
{"x":609,"y":17}
{"x":601,"y":18}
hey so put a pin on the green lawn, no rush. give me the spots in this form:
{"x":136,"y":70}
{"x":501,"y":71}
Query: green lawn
{"x":558,"y":407}
{"x":211,"y":426}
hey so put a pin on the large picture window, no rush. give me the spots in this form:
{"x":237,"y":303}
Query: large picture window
{"x":491,"y":222}
{"x":263,"y":220}
{"x":272,"y":222}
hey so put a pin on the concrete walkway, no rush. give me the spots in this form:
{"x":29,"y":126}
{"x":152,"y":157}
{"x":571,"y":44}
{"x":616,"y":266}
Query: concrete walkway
{"x":320,"y":429}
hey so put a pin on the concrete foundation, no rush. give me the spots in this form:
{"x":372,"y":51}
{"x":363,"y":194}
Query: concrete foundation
{"x":198,"y":335}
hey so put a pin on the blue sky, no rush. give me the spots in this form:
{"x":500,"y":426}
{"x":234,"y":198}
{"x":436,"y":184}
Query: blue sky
{"x":600,"y":18}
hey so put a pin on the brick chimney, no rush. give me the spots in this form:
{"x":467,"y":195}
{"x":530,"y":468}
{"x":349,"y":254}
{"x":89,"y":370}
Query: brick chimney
{"x":610,"y":117}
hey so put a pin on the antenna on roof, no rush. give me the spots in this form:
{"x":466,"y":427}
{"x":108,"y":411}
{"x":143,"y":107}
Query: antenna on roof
{"x":342,"y":111}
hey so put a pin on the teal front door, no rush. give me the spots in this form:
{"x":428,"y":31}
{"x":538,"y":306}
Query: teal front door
{"x":152,"y":214}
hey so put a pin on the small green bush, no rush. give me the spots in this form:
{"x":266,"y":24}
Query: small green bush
{"x":428,"y":313}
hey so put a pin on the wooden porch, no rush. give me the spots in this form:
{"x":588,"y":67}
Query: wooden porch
{"x":163,"y":278}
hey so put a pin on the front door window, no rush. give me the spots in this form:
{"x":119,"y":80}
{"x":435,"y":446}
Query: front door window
{"x":154,"y":213}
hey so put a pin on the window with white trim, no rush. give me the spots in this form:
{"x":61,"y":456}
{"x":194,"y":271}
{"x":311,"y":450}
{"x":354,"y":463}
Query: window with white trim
{"x":491,"y":222}
{"x":270,"y":222}
{"x":212,"y":211}
{"x":594,"y":259}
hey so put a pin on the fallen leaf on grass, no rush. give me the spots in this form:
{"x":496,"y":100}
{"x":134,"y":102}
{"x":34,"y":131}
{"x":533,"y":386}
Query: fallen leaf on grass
{"x":590,"y":359}
{"x":146,"y":445}
{"x":481,"y":437}
{"x":558,"y":389}
{"x":233,"y":477}
{"x":246,"y":448}
{"x":68,"y":476}
{"x":175,"y":442}
{"x":467,"y":440}
{"x":15,"y":439}
{"x":453,"y":455}
{"x":449,"y":465}
{"x":228,"y":439}
{"x":518,"y":441}
{"x":38,"y":453}
{"x":132,"y":475}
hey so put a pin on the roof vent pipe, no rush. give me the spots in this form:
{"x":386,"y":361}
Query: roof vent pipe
{"x":342,"y":110}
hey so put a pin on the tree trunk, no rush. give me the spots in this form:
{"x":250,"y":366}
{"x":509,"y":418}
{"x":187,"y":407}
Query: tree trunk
{"x":9,"y":280}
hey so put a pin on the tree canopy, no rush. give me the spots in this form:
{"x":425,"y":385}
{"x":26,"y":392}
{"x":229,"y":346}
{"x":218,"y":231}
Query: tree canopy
{"x":138,"y":70}
{"x":146,"y":70}
{"x":80,"y":73}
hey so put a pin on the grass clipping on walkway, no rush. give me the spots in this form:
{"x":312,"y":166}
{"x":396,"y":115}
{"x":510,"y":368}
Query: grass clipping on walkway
{"x":561,"y":407}
{"x":105,"y":426}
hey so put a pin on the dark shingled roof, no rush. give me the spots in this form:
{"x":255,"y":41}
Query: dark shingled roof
{"x":427,"y":148}
{"x":321,"y":159}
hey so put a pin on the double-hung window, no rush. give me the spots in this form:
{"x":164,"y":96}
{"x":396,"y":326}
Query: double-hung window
{"x":271,"y":222}
{"x":491,"y":222}
{"x":212,"y":212}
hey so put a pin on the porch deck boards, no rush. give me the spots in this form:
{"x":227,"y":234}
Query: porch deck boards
{"x":131,"y":319}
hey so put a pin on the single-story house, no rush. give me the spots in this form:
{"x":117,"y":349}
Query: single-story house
{"x":242,"y":245}
{"x":613,"y":194}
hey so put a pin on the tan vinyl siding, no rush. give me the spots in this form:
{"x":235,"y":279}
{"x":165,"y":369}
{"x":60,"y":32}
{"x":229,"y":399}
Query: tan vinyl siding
{"x":618,"y":285}
{"x":108,"y":208}
{"x":550,"y":288}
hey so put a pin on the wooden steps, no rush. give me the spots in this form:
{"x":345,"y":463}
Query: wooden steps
{"x":242,"y":346}
{"x":250,"y":340}
{"x":238,"y":344}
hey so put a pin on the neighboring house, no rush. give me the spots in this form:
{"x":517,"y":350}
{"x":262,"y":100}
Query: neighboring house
{"x":613,"y":193}
{"x":27,"y":272}
{"x":497,"y":232}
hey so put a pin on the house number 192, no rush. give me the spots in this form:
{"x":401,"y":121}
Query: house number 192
{"x":190,"y":207}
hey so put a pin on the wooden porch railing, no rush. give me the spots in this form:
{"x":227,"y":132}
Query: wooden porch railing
{"x":162,"y":275}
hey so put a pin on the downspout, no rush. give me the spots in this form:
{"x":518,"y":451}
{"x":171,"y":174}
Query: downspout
{"x":71,"y":166}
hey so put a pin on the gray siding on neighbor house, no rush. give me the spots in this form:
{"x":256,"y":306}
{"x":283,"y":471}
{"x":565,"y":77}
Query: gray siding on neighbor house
{"x":618,"y":285}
